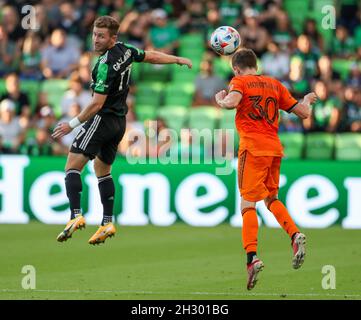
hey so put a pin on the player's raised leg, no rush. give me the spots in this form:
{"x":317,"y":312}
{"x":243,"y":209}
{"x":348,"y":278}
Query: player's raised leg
{"x":249,"y":236}
{"x":298,"y":239}
{"x":74,"y":166}
{"x":107,"y":191}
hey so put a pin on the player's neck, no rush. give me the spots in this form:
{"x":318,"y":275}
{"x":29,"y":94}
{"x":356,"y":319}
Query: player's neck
{"x":248,"y":72}
{"x":104,"y":51}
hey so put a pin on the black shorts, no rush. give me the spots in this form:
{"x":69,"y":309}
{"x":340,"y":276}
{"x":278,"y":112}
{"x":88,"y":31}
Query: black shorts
{"x":100,"y":136}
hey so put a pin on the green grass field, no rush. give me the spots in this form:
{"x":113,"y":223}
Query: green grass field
{"x":177,"y":262}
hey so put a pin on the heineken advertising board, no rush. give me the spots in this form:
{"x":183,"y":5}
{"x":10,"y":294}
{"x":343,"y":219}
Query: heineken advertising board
{"x":318,"y":194}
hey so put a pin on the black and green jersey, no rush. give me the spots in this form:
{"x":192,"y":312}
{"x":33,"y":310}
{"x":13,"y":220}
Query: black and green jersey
{"x":111,"y":75}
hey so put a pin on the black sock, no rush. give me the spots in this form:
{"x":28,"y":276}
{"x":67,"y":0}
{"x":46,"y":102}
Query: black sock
{"x":107,"y":191}
{"x":293,"y":236}
{"x":73,"y":187}
{"x":250,"y":256}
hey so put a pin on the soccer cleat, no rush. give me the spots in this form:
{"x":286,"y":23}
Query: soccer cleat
{"x":102,"y":233}
{"x":73,"y":225}
{"x":253,"y":269}
{"x":299,"y":250}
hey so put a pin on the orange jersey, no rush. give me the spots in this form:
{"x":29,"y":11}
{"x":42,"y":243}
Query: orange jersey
{"x":258,"y":112}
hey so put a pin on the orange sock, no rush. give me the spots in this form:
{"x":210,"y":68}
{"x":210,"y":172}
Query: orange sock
{"x":250,"y":229}
{"x":283,"y":217}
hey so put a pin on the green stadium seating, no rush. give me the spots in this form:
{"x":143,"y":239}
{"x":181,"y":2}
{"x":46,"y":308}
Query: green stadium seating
{"x":55,"y":89}
{"x":155,"y":72}
{"x":202,"y":122}
{"x":149,"y":93}
{"x":293,"y":144}
{"x":358,"y":36}
{"x":2,"y":87}
{"x":193,"y":53}
{"x":317,"y":5}
{"x":191,"y":40}
{"x":174,"y":117}
{"x":320,"y":146}
{"x":183,"y":74}
{"x":227,"y":121}
{"x":342,"y":66}
{"x":297,"y":11}
{"x":203,"y":117}
{"x":32,"y":89}
{"x":222,"y":68}
{"x":145,"y":112}
{"x":348,"y":146}
{"x":192,"y":45}
{"x":179,"y":94}
{"x":136,"y":70}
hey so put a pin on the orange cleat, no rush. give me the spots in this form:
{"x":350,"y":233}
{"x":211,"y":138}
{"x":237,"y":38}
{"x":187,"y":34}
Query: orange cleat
{"x":102,"y":233}
{"x":73,"y":225}
{"x":299,"y":250}
{"x":253,"y":269}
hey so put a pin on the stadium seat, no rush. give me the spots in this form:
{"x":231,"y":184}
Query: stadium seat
{"x":320,"y":146}
{"x":227,"y":121}
{"x":174,"y":117}
{"x":203,"y":117}
{"x":183,"y":74}
{"x":317,"y":5}
{"x":155,"y":72}
{"x":348,"y":146}
{"x":342,"y":66}
{"x":136,"y":70}
{"x":149,"y":93}
{"x":202,"y":122}
{"x":293,"y":143}
{"x":358,"y":36}
{"x":31,"y":88}
{"x":2,"y":87}
{"x":222,"y":68}
{"x":297,"y":11}
{"x":192,"y":45}
{"x":193,"y":53}
{"x":179,"y":94}
{"x":191,"y":40}
{"x":145,"y":112}
{"x":55,"y":89}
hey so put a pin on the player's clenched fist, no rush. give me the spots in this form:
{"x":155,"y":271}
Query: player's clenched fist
{"x":184,"y":61}
{"x":310,"y":98}
{"x":220,"y":95}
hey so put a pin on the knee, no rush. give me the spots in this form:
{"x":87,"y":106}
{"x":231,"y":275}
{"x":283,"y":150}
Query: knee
{"x":246,"y":205}
{"x":269,"y":200}
{"x":101,"y":169}
{"x":75,"y":161}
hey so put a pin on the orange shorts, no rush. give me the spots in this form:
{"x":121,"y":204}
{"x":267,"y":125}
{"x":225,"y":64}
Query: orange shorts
{"x":258,"y":177}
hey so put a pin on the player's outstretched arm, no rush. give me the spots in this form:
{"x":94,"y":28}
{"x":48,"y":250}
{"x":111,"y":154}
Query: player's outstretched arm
{"x":158,"y":57}
{"x":303,"y":108}
{"x":228,"y":100}
{"x":64,"y":128}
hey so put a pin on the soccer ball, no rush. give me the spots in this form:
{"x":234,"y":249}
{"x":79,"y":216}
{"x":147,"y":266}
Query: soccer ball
{"x":225,"y":40}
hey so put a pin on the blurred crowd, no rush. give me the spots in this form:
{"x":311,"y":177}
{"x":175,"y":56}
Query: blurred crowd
{"x":59,"y":46}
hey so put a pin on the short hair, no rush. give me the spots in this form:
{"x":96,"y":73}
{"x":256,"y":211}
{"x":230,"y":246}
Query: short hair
{"x":244,"y":58}
{"x":107,"y":22}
